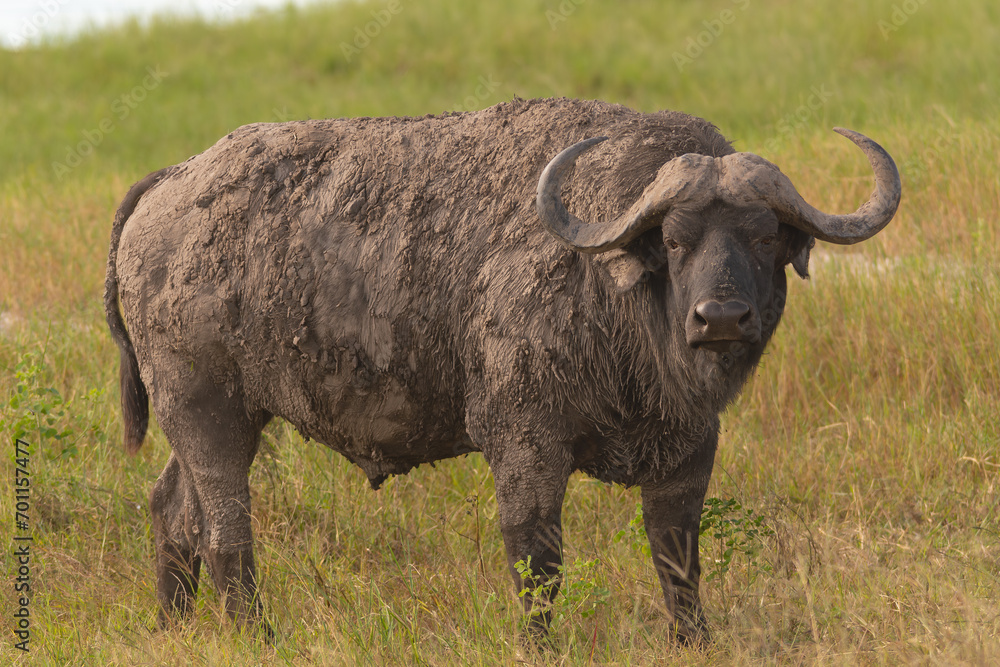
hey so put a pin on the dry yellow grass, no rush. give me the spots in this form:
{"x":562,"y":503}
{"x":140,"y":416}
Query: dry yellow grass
{"x":868,"y":440}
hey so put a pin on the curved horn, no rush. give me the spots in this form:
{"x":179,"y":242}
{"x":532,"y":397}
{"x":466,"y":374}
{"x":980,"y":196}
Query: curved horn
{"x":738,"y":178}
{"x":680,"y":178}
{"x":777,"y":191}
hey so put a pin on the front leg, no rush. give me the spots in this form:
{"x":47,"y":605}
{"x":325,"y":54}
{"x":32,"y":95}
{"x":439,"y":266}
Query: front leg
{"x":671,"y":511}
{"x":530,"y":487}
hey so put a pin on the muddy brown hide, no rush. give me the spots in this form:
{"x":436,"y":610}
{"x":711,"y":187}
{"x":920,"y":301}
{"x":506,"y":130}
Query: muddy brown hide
{"x":385,"y":286}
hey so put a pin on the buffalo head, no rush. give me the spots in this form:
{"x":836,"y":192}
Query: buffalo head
{"x":729,"y":225}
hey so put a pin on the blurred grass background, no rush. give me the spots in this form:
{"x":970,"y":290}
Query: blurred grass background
{"x":868,"y":440}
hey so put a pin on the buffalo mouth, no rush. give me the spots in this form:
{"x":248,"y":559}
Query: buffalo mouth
{"x":734,"y":348}
{"x":726,"y":356}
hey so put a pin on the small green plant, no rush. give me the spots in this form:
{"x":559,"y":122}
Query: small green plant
{"x":736,"y":529}
{"x":634,"y":534}
{"x":579,"y":593}
{"x":34,"y":413}
{"x":37,"y":413}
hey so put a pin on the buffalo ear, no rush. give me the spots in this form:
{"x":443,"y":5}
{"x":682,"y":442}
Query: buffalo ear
{"x":801,"y":262}
{"x":798,"y":252}
{"x":625,"y":269}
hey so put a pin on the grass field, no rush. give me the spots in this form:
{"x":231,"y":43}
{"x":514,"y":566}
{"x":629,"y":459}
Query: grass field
{"x":868,"y":441}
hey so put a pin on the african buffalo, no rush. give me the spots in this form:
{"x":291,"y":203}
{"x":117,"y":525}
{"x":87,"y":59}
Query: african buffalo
{"x":405,"y":290}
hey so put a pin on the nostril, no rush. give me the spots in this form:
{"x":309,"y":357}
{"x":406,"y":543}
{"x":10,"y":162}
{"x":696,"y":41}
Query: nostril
{"x":730,"y":320}
{"x":708,"y":312}
{"x":735,"y":311}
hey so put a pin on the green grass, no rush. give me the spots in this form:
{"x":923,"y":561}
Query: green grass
{"x":868,"y":439}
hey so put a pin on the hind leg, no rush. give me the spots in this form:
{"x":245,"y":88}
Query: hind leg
{"x":177,"y":562}
{"x":214,"y":438}
{"x":227,"y":544}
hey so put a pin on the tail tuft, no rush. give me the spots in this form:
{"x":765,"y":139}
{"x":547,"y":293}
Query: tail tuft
{"x":135,"y":403}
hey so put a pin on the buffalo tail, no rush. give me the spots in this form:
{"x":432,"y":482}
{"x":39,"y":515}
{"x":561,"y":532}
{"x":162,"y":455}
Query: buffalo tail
{"x":135,"y":399}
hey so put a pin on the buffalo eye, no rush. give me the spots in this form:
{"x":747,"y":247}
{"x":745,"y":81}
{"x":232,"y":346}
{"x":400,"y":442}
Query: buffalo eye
{"x":766,"y":241}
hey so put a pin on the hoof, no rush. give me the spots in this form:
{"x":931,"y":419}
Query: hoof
{"x":691,"y":631}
